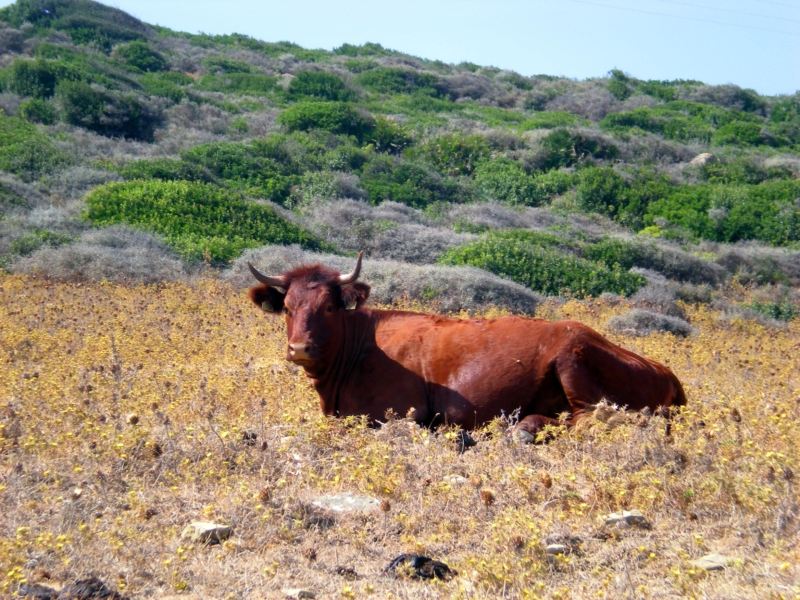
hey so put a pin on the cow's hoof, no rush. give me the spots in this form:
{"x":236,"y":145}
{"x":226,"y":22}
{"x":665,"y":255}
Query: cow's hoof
{"x":523,"y":437}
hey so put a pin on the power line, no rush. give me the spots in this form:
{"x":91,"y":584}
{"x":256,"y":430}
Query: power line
{"x":650,"y":12}
{"x":776,"y":3}
{"x":736,"y":12}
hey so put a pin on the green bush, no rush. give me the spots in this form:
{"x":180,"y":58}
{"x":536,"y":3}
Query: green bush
{"x":33,"y":240}
{"x":199,"y":220}
{"x":220,"y":65}
{"x":38,"y":111}
{"x":619,"y":85}
{"x":367,"y":49}
{"x":140,"y":55}
{"x":360,"y":65}
{"x":739,"y":133}
{"x":251,"y":168}
{"x":166,"y":169}
{"x":780,"y":311}
{"x":396,"y":80}
{"x":251,"y":84}
{"x":671,"y":124}
{"x":456,"y":154}
{"x":565,"y":149}
{"x":37,"y":78}
{"x":601,"y":190}
{"x":506,"y":181}
{"x":658,"y":89}
{"x":730,"y":213}
{"x":319,"y":86}
{"x":158,"y":84}
{"x":786,"y":109}
{"x":550,"y":120}
{"x":108,"y":114}
{"x":533,"y":261}
{"x":335,"y":117}
{"x":25,"y":150}
{"x":402,"y":181}
{"x":388,"y":136}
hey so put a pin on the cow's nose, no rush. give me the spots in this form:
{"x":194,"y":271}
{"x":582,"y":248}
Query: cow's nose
{"x":299,"y":351}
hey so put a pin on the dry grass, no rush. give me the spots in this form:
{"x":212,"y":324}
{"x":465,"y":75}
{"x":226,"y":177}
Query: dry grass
{"x":122,"y":418}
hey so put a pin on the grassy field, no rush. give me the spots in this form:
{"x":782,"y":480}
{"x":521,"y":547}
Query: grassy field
{"x":128,"y":412}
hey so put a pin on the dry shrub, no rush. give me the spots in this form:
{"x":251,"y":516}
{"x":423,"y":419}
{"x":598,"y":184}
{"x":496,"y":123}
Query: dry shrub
{"x":451,"y":289}
{"x":390,"y":230}
{"x":115,"y":254}
{"x":644,"y":322}
{"x":205,"y":117}
{"x":9,"y":103}
{"x":29,"y":195}
{"x":593,"y":102}
{"x":84,"y":145}
{"x":75,"y":182}
{"x":754,"y":263}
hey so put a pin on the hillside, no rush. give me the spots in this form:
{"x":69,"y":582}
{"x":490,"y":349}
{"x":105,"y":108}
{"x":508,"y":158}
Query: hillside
{"x":214,"y":145}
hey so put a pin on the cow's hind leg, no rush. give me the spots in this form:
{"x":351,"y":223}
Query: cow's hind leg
{"x":529,"y":428}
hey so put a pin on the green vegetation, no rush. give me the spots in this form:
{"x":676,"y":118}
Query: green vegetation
{"x":335,"y":117}
{"x":199,"y":220}
{"x":780,"y":311}
{"x":139,"y":55}
{"x":534,"y":261}
{"x":413,"y":131}
{"x":318,"y":85}
{"x":25,"y":150}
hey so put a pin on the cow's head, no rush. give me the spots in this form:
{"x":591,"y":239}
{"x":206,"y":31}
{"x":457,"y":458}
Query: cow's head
{"x":314,"y":300}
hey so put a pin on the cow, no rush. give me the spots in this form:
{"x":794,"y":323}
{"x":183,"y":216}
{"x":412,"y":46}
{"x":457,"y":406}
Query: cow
{"x":364,"y":361}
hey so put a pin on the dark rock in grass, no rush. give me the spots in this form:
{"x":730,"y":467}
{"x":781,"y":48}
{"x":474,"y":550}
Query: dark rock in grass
{"x":83,"y":589}
{"x":420,"y":567}
{"x":463,"y":441}
{"x":36,"y":591}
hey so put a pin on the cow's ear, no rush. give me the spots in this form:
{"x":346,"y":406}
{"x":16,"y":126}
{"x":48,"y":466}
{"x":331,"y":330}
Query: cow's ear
{"x":267,"y":297}
{"x":354,"y":295}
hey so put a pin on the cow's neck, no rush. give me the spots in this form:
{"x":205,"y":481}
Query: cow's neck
{"x":356,"y":328}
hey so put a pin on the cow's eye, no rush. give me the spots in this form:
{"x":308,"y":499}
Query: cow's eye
{"x":287,"y":312}
{"x":330,"y":308}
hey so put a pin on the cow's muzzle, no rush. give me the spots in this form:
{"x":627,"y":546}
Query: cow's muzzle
{"x":299,"y":353}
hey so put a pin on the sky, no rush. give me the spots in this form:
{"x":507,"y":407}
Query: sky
{"x":751,"y":43}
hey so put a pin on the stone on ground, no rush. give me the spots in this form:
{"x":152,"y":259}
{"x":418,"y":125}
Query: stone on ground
{"x":202,"y":532}
{"x":712,"y":562}
{"x":347,"y":503}
{"x":632,"y":518}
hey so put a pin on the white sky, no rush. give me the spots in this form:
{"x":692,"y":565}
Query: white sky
{"x":709,"y":40}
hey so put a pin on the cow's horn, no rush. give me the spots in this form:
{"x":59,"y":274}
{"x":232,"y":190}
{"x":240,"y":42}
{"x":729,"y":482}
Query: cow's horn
{"x":352,"y":277}
{"x":265,"y":279}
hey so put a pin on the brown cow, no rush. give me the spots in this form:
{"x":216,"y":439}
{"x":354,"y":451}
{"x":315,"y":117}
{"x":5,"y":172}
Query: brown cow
{"x":465,"y":372}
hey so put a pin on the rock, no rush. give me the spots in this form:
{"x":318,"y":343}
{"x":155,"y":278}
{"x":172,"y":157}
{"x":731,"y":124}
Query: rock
{"x":556,"y":549}
{"x":523,"y":437}
{"x":347,"y":503}
{"x":37,"y":591}
{"x":712,"y":562}
{"x":84,"y":589}
{"x":288,"y":440}
{"x":632,"y":518}
{"x":455,"y":480}
{"x":210,"y":533}
{"x":417,"y":566}
{"x":298,"y":594}
{"x":463,"y":441}
{"x":701,"y":160}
